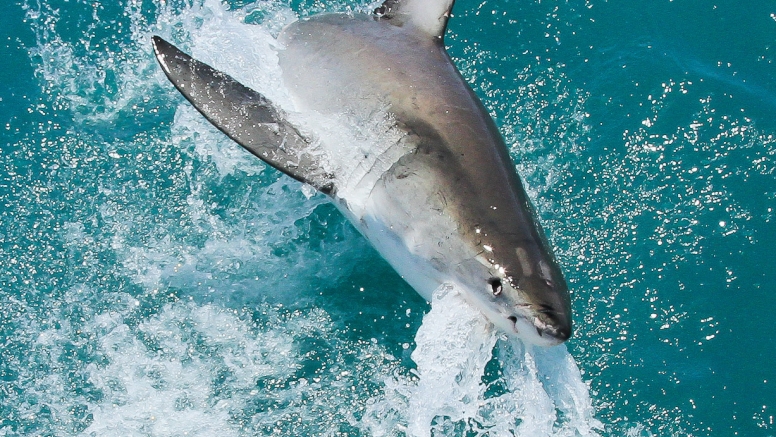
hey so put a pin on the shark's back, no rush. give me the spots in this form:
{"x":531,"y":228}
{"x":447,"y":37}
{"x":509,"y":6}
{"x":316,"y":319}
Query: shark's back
{"x":364,"y":60}
{"x":450,"y":138}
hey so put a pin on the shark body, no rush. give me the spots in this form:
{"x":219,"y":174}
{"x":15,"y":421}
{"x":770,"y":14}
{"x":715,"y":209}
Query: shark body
{"x":437,"y":194}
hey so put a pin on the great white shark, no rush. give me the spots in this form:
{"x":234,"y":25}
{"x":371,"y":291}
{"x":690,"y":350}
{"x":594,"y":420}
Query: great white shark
{"x":438,"y":196}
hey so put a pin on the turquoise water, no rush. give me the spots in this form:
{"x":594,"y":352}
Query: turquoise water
{"x":157,"y":280}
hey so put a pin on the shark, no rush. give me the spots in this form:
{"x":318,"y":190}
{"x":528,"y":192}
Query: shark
{"x":436,"y":193}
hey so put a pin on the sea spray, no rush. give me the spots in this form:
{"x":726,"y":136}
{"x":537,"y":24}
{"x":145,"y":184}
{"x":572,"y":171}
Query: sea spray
{"x":454,"y":344}
{"x":647,"y":146}
{"x":535,"y":392}
{"x":178,"y":257}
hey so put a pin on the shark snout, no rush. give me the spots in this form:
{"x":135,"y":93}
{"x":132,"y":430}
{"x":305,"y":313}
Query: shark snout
{"x":558,"y":331}
{"x":554,"y":323}
{"x":544,"y":325}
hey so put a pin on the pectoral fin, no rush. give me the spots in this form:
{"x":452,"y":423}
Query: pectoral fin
{"x":244,"y":115}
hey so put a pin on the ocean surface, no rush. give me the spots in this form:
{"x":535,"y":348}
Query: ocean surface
{"x":157,"y":280}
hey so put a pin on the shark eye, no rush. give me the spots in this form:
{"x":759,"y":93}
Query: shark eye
{"x":495,"y":286}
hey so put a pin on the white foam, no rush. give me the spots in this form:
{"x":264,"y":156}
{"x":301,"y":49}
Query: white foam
{"x":454,"y":344}
{"x":204,"y":252}
{"x":196,"y":368}
{"x":202,"y":370}
{"x":539,"y":392}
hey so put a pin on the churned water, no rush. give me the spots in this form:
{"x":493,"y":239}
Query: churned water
{"x":157,"y":280}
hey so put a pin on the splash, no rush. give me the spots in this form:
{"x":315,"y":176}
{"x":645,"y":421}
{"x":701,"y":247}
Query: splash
{"x":172,"y":317}
{"x":461,"y":388}
{"x":541,"y":392}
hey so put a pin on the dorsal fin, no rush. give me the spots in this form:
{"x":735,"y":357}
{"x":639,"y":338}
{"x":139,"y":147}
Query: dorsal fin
{"x":430,"y":16}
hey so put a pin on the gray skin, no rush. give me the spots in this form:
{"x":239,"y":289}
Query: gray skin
{"x":443,"y":204}
{"x":459,"y":168}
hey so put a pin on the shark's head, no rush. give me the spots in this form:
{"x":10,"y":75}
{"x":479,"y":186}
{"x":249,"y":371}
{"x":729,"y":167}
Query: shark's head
{"x":519,"y":286}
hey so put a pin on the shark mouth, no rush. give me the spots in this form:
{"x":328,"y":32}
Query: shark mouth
{"x":533,"y":330}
